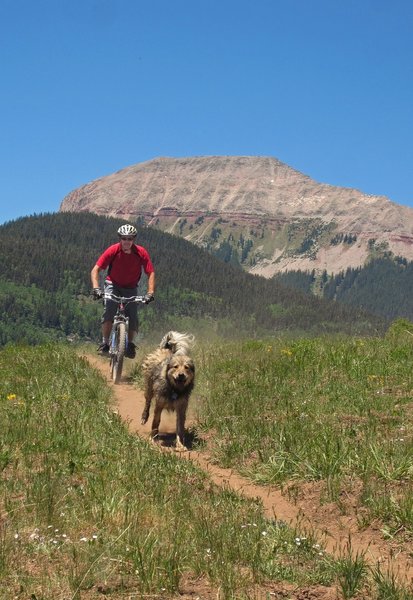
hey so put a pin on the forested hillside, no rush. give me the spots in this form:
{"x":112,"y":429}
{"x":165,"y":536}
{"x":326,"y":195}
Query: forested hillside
{"x":44,"y":286}
{"x":383,"y":287}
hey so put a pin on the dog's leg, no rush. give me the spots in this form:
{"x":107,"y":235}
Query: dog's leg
{"x":180,"y":427}
{"x":148,"y":398}
{"x":145,"y":413}
{"x":156,"y":420}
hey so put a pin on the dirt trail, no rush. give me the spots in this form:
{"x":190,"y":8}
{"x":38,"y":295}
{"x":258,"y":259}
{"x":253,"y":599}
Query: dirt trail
{"x":327,"y":523}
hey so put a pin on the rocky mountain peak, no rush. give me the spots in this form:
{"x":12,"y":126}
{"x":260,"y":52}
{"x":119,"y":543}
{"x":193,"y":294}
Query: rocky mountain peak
{"x":265,"y":215}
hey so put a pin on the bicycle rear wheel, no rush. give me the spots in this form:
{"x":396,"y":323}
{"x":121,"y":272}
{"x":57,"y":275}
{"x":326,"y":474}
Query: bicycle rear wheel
{"x":116,"y":363}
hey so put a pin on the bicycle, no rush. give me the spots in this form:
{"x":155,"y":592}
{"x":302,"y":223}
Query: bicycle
{"x":119,"y":334}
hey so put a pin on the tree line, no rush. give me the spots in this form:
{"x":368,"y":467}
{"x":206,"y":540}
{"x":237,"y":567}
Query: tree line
{"x":48,"y":258}
{"x":383,"y":287}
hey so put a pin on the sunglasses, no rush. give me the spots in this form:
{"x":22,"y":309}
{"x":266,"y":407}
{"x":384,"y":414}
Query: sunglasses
{"x":129,"y":239}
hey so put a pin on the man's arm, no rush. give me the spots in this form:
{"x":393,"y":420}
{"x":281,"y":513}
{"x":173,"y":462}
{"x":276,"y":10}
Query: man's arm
{"x":151,"y":283}
{"x":94,"y":276}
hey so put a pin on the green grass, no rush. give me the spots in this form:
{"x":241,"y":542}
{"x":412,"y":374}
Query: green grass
{"x":85,"y":506}
{"x":332,"y":410}
{"x":89,"y":509}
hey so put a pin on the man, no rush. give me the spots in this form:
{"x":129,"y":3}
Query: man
{"x":124,"y":262}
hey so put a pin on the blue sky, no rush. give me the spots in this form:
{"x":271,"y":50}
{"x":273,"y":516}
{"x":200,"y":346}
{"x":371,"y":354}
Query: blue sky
{"x":89,"y":87}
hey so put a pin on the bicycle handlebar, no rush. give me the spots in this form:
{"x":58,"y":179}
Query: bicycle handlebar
{"x":124,"y":299}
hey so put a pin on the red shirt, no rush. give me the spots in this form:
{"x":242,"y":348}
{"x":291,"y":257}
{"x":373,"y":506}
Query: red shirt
{"x":125,"y":269}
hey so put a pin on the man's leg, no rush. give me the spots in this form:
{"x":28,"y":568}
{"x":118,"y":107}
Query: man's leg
{"x":106,"y":329}
{"x":110,"y":308}
{"x":132,"y":312}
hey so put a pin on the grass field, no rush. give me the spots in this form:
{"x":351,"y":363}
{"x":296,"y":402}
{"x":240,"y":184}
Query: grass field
{"x":90,"y":511}
{"x":334,"y":410}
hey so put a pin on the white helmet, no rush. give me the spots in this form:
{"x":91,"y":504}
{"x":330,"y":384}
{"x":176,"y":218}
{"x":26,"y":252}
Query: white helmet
{"x":127,"y":230}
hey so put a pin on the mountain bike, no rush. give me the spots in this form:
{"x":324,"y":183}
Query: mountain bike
{"x":119,"y":335}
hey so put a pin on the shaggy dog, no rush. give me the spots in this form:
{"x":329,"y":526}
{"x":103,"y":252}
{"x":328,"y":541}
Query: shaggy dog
{"x":169,"y":375}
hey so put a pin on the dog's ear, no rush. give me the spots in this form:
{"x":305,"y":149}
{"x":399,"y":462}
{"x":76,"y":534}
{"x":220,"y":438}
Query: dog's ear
{"x":165,"y":341}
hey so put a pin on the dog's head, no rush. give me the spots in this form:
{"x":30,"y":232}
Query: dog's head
{"x":180,"y":372}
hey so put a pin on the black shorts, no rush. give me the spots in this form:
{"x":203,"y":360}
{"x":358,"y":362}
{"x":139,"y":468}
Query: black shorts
{"x":111,"y":306}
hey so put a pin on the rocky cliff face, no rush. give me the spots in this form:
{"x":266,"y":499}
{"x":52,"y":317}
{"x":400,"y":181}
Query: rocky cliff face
{"x":256,"y":211}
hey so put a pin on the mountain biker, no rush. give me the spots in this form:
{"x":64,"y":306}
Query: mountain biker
{"x":124,"y":263}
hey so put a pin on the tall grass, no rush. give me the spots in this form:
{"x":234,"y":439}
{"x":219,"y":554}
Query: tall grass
{"x":88,"y":509}
{"x":333,"y":410}
{"x":352,"y":571}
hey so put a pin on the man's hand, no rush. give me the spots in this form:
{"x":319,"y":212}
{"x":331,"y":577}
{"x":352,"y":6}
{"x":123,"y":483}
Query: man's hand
{"x":148,"y":298}
{"x":97,"y":294}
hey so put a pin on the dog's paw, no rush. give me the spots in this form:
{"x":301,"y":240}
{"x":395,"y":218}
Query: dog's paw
{"x":179,"y":447}
{"x":154,"y":438}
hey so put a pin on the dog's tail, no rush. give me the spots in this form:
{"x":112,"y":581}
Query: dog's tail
{"x":177,"y":343}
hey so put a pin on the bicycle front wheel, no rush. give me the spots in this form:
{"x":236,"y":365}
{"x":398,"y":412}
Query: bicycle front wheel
{"x":119,"y":354}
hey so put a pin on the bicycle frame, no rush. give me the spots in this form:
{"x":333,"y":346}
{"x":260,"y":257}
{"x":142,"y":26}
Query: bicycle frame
{"x":119,"y":333}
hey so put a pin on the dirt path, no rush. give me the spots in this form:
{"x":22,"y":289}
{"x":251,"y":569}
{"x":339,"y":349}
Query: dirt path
{"x":306,"y":512}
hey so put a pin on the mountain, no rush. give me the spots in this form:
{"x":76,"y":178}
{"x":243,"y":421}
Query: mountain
{"x":256,"y":212}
